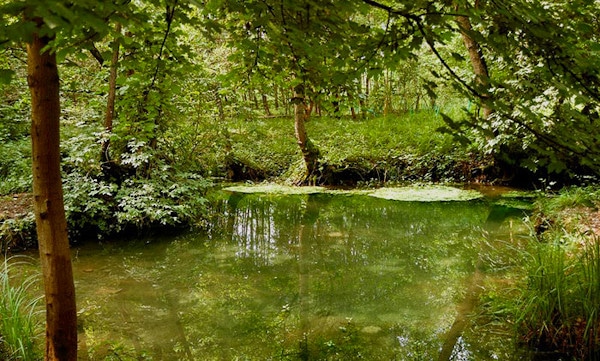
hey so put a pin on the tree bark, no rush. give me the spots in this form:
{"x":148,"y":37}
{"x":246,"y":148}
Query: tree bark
{"x":309,"y":152}
{"x":480,"y":69}
{"x":112,"y":91}
{"x":55,"y":257}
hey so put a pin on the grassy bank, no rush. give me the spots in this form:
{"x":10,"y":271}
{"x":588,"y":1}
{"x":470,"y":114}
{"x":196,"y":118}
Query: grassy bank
{"x":403,"y":147}
{"x":549,"y":295}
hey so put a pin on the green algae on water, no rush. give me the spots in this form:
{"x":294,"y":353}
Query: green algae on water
{"x":422,"y":193}
{"x":428,"y":193}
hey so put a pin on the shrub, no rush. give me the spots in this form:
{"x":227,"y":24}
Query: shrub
{"x":170,"y":200}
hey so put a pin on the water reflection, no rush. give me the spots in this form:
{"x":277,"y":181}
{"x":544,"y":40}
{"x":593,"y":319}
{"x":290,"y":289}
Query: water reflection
{"x":318,"y":277}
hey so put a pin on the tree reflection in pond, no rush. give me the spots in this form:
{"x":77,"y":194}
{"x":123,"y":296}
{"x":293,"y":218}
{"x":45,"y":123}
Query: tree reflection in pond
{"x":303,"y":277}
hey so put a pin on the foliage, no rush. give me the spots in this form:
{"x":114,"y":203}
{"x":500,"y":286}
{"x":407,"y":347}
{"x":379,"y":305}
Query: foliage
{"x":15,"y":152}
{"x":136,"y":204}
{"x":393,"y":148}
{"x":286,"y":42}
{"x":17,"y":233}
{"x":15,"y":166}
{"x":550,"y":299}
{"x":543,"y":85}
{"x":20,"y":324}
{"x":571,"y":197}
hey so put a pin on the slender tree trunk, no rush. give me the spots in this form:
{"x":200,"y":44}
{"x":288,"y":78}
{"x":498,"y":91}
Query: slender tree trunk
{"x":309,"y":152}
{"x":367,"y":89}
{"x":477,"y":61}
{"x":112,"y":91}
{"x":387,"y":91}
{"x":265,"y":103}
{"x":309,"y":109}
{"x":51,"y":224}
{"x":254,"y":99}
{"x":276,"y":96}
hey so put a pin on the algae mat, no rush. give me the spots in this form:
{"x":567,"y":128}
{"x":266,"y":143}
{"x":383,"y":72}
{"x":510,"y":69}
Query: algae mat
{"x":424,"y":193}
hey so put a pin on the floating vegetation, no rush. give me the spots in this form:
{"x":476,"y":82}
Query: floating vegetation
{"x":425,"y":193}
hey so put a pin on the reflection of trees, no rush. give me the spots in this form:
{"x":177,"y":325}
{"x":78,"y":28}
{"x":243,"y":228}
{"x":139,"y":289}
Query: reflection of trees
{"x":362,"y":257}
{"x":310,"y":209}
{"x":294,"y":268}
{"x":264,"y":227}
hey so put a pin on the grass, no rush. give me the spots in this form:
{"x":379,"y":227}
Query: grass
{"x":19,"y":319}
{"x":557,"y":306}
{"x":549,"y":296}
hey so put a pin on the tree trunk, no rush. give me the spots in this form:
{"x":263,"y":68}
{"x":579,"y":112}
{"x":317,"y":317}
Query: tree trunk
{"x":477,"y":61}
{"x":265,"y":103}
{"x":309,"y":152}
{"x":254,"y":99}
{"x":55,"y":257}
{"x":110,"y":102}
{"x":387,"y":91}
{"x":276,"y":96}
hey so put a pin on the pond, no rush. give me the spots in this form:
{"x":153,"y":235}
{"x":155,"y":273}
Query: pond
{"x":296,"y":277}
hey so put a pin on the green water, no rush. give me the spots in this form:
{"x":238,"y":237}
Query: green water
{"x":319,"y":277}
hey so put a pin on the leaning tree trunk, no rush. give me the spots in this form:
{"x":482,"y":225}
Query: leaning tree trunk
{"x":310,"y":153}
{"x":480,"y":69}
{"x":55,"y":257}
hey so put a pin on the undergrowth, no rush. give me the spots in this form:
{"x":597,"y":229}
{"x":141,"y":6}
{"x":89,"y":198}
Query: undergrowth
{"x":393,"y":148}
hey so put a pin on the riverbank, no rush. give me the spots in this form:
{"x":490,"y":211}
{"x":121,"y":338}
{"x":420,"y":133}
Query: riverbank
{"x":546,"y":295}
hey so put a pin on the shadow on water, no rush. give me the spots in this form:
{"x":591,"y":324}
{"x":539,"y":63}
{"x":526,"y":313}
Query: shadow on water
{"x":319,"y":277}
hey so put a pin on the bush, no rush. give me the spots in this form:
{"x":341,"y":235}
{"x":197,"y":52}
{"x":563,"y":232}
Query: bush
{"x":107,"y":208}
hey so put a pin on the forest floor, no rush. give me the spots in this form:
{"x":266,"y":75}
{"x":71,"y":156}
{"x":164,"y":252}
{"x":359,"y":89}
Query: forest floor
{"x":580,"y":219}
{"x":15,"y":206}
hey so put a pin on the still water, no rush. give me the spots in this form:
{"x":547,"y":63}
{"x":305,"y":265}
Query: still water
{"x":301,"y":277}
